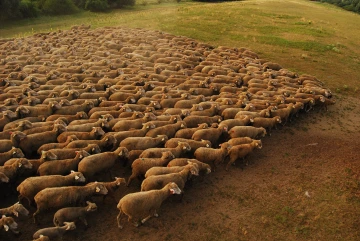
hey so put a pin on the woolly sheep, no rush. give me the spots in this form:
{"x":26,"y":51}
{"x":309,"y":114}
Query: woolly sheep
{"x":181,"y":148}
{"x":140,"y":206}
{"x":241,"y":151}
{"x":143,"y":143}
{"x":8,"y":223}
{"x":72,"y":214}
{"x":247,"y":131}
{"x":54,"y":232}
{"x":15,"y":210}
{"x":212,"y":156}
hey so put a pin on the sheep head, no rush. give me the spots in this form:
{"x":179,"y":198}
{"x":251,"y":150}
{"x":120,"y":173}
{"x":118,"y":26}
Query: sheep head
{"x":20,"y":209}
{"x":173,"y":188}
{"x":91,"y":206}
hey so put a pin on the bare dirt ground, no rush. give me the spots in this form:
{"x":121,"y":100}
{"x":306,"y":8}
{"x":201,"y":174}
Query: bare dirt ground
{"x":302,"y":185}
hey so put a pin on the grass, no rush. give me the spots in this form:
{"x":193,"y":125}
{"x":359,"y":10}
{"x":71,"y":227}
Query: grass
{"x":312,"y":38}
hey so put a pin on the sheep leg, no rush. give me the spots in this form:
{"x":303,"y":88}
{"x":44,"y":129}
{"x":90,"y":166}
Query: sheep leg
{"x":145,"y":219}
{"x":133,"y":175}
{"x":83,"y":219}
{"x":118,"y":218}
{"x":34,"y":216}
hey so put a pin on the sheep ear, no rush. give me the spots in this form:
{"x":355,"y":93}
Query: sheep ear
{"x":77,"y":177}
{"x":207,"y":145}
{"x":121,"y":153}
{"x":6,"y":227}
{"x":72,"y":171}
{"x":16,"y":213}
{"x":184,"y":148}
{"x":20,"y":164}
{"x":88,"y":203}
{"x":97,"y":189}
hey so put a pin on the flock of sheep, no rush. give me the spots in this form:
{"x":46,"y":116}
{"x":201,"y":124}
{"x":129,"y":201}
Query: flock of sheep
{"x":76,"y":103}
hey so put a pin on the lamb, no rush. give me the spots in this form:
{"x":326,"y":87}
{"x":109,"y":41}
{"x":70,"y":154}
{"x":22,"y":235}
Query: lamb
{"x":57,"y":197}
{"x":180,"y":178}
{"x":54,"y":232}
{"x":249,"y":131}
{"x":8,"y":223}
{"x":72,"y":214}
{"x":211,"y":134}
{"x":68,"y":153}
{"x":141,"y":206}
{"x":267,"y":123}
{"x":112,"y":186}
{"x":12,"y":170}
{"x":194,"y":121}
{"x":13,"y":153}
{"x":32,"y":185}
{"x":188,"y":132}
{"x":241,"y":151}
{"x":212,"y":156}
{"x":141,"y":165}
{"x":104,"y":161}
{"x":168,"y":130}
{"x":95,"y":134}
{"x":31,"y":143}
{"x":181,"y":149}
{"x":15,"y":209}
{"x":48,"y":146}
{"x":143,"y":143}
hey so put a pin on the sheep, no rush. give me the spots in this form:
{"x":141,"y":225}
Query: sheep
{"x":87,"y":127}
{"x":141,"y":165}
{"x":181,"y":149}
{"x":141,"y":206}
{"x":45,"y":110}
{"x":188,"y":132}
{"x":107,"y":143}
{"x":7,"y":117}
{"x":104,"y":161}
{"x":230,"y":123}
{"x":194,"y":121}
{"x":154,"y":171}
{"x":143,"y":143}
{"x":77,"y":116}
{"x":262,"y":113}
{"x":32,"y":185}
{"x":125,"y":125}
{"x":283,"y":113}
{"x":13,"y":153}
{"x":241,"y":151}
{"x":73,"y":109}
{"x":122,"y":135}
{"x":212,"y":156}
{"x":112,"y":186}
{"x":54,"y":232}
{"x":180,"y":178}
{"x":68,"y":153}
{"x":15,"y":138}
{"x":249,"y":131}
{"x":239,"y":141}
{"x":3,"y":178}
{"x":187,"y":104}
{"x":57,"y":197}
{"x":95,"y":134}
{"x":15,"y":210}
{"x":72,"y":214}
{"x":211,"y":134}
{"x":194,"y":145}
{"x":48,"y":146}
{"x":42,"y":238}
{"x":168,"y":130}
{"x":12,"y":170}
{"x":16,"y":123}
{"x":31,"y":143}
{"x":267,"y":123}
{"x":8,"y":223}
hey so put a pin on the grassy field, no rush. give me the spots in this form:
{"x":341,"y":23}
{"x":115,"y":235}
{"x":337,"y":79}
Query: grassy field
{"x":303,"y":36}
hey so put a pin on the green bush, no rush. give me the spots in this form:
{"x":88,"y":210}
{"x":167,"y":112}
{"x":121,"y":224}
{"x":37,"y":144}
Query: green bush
{"x":9,"y":9}
{"x":80,"y":3}
{"x":28,"y":9}
{"x":57,"y":7}
{"x":96,"y":5}
{"x":121,"y":3}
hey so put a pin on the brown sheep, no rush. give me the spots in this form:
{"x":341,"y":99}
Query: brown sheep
{"x":211,"y":134}
{"x":73,"y":109}
{"x":15,"y":210}
{"x":56,"y":145}
{"x":178,"y":151}
{"x":249,"y":131}
{"x":95,"y":134}
{"x":13,"y":153}
{"x":54,"y":232}
{"x":8,"y":223}
{"x":62,"y":167}
{"x":15,"y":138}
{"x":194,"y":121}
{"x":122,"y":135}
{"x":45,"y":110}
{"x":212,"y":156}
{"x":32,"y":185}
{"x":31,"y":143}
{"x":68,"y":153}
{"x":267,"y":123}
{"x":12,"y":170}
{"x":125,"y":125}
{"x":141,"y":206}
{"x":57,"y":197}
{"x":107,"y":143}
{"x":104,"y":161}
{"x":112,"y":187}
{"x":77,"y":116}
{"x":72,"y":214}
{"x":241,"y":151}
{"x":7,"y":117}
{"x":173,"y":142}
{"x":143,"y":143}
{"x":141,"y":165}
{"x":168,"y":130}
{"x":240,"y":140}
{"x":188,"y":132}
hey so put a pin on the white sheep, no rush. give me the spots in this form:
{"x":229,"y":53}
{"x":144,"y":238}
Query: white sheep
{"x":140,"y":206}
